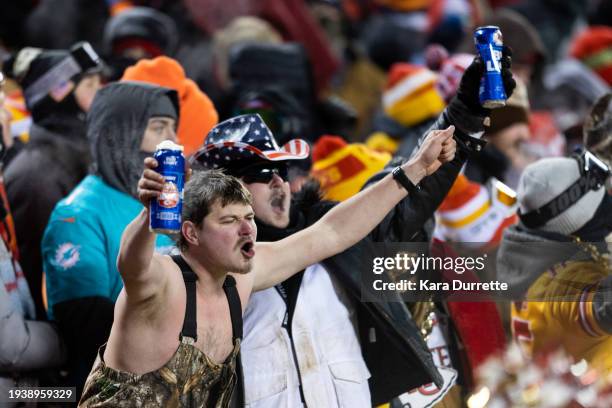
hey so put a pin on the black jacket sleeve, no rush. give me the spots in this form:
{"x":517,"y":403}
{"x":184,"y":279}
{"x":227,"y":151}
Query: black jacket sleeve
{"x":406,"y":220}
{"x":85,"y":324}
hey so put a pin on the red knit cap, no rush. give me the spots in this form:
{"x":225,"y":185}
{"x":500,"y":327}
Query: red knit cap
{"x":594,"y":48}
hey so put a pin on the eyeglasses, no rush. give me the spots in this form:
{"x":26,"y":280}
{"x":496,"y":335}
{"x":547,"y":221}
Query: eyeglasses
{"x":263,"y":174}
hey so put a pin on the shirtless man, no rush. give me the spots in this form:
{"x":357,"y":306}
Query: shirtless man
{"x":175,"y":346}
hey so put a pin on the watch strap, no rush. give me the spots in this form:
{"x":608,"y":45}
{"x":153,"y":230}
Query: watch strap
{"x":400,"y":176}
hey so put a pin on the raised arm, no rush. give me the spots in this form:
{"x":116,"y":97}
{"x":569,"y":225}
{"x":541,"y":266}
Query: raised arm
{"x":349,"y":221}
{"x":137,"y":261}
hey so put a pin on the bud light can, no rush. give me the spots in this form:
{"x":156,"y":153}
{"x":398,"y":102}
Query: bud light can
{"x":165,"y":211}
{"x":489,"y":44}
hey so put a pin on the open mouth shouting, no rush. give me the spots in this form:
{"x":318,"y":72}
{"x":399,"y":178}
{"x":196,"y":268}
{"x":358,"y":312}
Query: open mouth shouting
{"x":247,"y":249}
{"x":278,"y":203}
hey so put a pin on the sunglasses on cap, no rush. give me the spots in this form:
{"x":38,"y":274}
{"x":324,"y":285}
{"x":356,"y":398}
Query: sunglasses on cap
{"x":263,"y":173}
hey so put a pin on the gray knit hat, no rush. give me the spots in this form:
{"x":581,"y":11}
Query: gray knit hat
{"x":545,"y":180}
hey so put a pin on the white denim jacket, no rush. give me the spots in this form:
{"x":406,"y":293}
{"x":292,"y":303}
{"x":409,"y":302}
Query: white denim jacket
{"x":327,"y":346}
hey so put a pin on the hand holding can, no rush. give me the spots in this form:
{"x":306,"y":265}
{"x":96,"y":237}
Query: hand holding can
{"x":165,"y":210}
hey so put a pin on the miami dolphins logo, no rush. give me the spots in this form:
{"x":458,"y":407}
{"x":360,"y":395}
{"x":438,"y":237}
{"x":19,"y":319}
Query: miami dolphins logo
{"x":67,"y":255}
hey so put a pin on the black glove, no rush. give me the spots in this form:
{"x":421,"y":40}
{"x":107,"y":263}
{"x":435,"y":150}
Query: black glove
{"x":470,"y":82}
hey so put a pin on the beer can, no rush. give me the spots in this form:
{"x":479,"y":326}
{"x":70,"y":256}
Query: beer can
{"x":165,"y":211}
{"x":488,"y":41}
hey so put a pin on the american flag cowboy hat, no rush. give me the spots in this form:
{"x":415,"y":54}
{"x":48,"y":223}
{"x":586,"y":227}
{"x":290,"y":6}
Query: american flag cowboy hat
{"x":246,"y":137}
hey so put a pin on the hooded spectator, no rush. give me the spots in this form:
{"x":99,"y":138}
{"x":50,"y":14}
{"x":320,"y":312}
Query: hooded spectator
{"x":554,"y":260}
{"x":198,"y":115}
{"x":135,"y":33}
{"x":59,"y":87}
{"x":81,"y":241}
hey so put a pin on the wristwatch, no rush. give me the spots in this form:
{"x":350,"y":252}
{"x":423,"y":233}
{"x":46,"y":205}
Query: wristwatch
{"x":400,"y":176}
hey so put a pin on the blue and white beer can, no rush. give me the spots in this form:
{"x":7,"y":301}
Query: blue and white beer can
{"x":489,"y":42}
{"x":165,"y":211}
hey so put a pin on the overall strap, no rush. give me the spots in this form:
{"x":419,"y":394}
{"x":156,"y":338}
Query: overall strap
{"x":229,"y":286}
{"x":190,"y":323}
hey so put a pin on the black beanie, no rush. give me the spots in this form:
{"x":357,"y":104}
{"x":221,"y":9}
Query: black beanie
{"x":31,"y":64}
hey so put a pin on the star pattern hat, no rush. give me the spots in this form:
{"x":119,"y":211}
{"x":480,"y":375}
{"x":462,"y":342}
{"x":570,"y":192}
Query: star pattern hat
{"x":246,"y":137}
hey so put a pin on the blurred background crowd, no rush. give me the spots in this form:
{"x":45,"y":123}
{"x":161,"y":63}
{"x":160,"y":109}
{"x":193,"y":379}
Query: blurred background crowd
{"x":359,"y":80}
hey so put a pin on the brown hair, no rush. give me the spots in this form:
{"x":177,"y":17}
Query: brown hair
{"x":206,"y":187}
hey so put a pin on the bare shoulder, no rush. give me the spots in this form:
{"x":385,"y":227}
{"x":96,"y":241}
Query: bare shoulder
{"x":144,"y":334}
{"x":168,"y":293}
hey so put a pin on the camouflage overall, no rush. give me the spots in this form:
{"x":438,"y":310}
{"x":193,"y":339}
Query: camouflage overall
{"x":189,"y":379}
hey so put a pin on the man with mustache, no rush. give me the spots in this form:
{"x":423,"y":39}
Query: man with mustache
{"x":149,"y":359}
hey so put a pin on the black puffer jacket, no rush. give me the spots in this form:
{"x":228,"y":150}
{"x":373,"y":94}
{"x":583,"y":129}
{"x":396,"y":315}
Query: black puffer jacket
{"x":44,"y":172}
{"x":393,"y":349}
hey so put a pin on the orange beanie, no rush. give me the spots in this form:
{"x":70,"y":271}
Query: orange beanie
{"x":197,"y":116}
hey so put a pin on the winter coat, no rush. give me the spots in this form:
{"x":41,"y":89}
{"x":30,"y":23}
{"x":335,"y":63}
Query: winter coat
{"x":316,"y":346}
{"x":44,"y":172}
{"x":26,"y":345}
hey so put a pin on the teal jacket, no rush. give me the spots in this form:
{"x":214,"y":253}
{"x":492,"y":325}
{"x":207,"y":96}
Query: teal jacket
{"x":81,"y":242}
